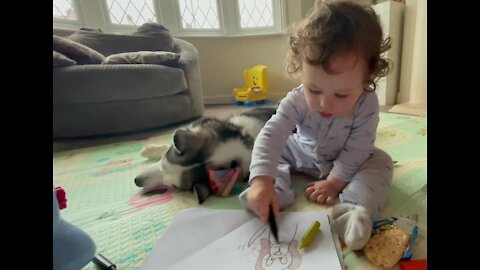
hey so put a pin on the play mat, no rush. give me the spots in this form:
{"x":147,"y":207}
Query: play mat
{"x":104,"y":201}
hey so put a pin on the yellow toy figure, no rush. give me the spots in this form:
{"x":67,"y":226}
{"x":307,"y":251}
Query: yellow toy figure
{"x":256,"y":89}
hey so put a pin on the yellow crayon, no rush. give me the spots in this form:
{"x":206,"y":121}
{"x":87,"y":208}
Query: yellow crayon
{"x":310,"y":234}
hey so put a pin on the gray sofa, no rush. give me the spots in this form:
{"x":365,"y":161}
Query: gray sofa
{"x":101,"y":99}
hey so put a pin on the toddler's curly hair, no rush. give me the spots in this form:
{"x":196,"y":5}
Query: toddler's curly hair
{"x":338,"y":26}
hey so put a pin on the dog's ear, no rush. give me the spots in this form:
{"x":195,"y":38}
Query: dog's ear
{"x":183,"y":140}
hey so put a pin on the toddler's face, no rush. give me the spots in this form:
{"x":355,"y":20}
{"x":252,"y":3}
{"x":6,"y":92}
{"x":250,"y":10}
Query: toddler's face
{"x":334,"y":94}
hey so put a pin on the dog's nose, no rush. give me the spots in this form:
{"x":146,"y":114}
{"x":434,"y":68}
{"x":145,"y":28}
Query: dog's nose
{"x":139,"y":181}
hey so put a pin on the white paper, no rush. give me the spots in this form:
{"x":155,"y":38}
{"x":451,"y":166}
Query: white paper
{"x":235,"y":239}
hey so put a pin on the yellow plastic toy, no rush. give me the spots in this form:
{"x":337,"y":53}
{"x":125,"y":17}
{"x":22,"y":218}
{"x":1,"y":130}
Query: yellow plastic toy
{"x":256,"y":89}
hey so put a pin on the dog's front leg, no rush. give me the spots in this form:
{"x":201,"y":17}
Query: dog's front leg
{"x":154,"y":151}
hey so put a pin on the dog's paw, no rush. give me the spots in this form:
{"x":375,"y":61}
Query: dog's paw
{"x":154,"y":151}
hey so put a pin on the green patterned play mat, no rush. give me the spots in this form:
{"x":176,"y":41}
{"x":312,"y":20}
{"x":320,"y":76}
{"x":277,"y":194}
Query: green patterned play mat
{"x":104,"y":201}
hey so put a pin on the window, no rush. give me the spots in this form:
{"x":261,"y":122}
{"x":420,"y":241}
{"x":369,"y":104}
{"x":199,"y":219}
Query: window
{"x":255,"y":13}
{"x":182,"y":17}
{"x":200,"y":14}
{"x":63,"y":9}
{"x":130,"y":12}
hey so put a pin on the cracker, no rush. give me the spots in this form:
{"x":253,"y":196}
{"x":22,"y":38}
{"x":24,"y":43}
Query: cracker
{"x":386,"y":248}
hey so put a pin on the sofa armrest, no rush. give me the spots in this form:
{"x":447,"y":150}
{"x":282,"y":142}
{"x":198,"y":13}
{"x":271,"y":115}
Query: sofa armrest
{"x":189,"y":63}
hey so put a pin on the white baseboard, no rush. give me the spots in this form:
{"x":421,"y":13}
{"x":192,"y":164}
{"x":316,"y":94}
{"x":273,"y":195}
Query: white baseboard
{"x":409,"y":108}
{"x":228,"y":99}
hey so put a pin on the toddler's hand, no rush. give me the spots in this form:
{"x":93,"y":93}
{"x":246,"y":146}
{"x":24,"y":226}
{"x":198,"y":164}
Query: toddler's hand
{"x":324,"y":191}
{"x":261,"y":195}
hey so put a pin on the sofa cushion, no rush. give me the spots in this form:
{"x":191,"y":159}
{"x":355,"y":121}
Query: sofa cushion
{"x":115,"y":83}
{"x":76,"y":51}
{"x":60,"y":60}
{"x":149,"y":37}
{"x":77,"y":120}
{"x":143,"y":57}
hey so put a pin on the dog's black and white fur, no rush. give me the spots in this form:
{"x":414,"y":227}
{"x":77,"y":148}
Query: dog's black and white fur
{"x":208,"y":142}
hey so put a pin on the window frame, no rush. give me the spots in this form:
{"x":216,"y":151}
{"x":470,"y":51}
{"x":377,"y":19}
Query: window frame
{"x":228,"y":14}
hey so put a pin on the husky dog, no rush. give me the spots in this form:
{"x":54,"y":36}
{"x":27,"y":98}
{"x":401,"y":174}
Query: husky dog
{"x":207,"y":142}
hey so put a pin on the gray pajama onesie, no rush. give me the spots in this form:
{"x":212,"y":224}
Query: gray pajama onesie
{"x":341,"y":146}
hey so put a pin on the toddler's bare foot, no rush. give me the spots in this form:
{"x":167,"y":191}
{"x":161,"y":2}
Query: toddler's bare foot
{"x":322,"y":192}
{"x":325,"y":191}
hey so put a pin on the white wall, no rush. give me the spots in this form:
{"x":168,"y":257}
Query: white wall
{"x":223,"y":59}
{"x":413,"y":78}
